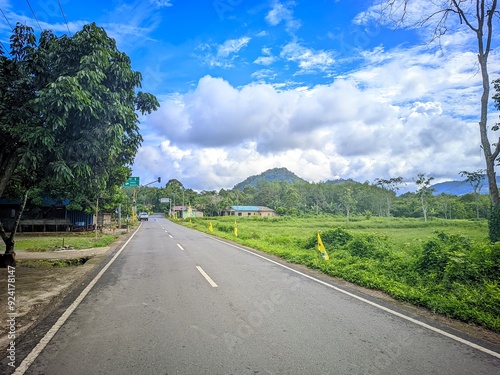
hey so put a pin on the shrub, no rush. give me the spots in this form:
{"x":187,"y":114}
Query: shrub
{"x":367,"y":246}
{"x":439,"y":251}
{"x":494,"y":224}
{"x":333,"y":239}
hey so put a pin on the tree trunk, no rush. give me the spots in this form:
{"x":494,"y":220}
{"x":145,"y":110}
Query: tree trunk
{"x":489,"y":156}
{"x":424,"y":208}
{"x":9,"y":240}
{"x":8,"y":165}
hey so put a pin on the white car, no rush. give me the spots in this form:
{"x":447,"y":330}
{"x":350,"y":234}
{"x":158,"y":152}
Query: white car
{"x":143,"y":216}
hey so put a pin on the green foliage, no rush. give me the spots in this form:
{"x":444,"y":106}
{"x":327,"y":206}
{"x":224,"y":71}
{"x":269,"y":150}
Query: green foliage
{"x":494,"y":224}
{"x":68,"y":121}
{"x":367,"y":246}
{"x":332,"y":239}
{"x":445,"y":256}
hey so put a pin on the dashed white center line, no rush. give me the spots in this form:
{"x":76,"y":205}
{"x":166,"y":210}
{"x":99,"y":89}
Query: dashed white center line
{"x":180,"y":247}
{"x":208,"y":278}
{"x":171,"y":236}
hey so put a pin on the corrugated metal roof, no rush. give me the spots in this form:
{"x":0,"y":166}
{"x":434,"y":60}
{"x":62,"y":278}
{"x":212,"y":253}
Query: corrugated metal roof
{"x":245,"y":208}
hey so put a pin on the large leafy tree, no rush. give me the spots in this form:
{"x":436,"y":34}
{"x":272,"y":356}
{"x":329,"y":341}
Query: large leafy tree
{"x":69,"y":115}
{"x":479,"y":17}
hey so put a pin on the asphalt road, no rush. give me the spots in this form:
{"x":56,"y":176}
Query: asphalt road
{"x":176,"y":301}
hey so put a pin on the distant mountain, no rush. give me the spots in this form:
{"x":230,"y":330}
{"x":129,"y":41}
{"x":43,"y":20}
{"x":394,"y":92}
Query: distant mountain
{"x":459,"y":187}
{"x":271,"y":175}
{"x":341,"y":181}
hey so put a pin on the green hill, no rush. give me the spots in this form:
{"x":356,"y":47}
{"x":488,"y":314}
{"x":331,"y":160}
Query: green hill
{"x":271,"y":175}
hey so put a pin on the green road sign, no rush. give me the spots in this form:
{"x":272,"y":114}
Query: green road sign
{"x":132,"y":182}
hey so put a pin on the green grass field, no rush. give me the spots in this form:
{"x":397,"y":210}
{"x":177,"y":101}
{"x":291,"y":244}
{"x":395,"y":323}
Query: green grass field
{"x":447,"y":266}
{"x":52,"y":241}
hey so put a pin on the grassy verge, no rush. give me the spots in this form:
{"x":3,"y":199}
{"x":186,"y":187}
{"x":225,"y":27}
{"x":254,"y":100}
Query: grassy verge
{"x":447,"y":266}
{"x":52,"y":241}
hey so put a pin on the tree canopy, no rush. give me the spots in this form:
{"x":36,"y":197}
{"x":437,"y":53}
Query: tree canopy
{"x":69,"y":113}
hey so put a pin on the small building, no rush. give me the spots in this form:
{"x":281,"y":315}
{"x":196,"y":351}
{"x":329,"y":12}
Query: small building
{"x":49,"y":216}
{"x":245,"y":211}
{"x":186,"y":212}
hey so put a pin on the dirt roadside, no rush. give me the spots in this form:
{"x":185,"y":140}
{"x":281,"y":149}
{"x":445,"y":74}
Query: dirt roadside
{"x":39,"y":289}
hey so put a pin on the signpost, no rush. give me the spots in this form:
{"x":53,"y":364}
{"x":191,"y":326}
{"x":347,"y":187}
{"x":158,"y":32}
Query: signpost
{"x":132,"y":182}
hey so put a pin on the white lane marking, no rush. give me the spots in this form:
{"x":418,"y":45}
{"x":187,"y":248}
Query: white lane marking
{"x":180,"y":247}
{"x":32,"y":356}
{"x":208,"y":278}
{"x":422,"y":324}
{"x":171,"y":236}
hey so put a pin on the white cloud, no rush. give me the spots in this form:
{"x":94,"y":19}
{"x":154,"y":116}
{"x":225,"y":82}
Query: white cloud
{"x":282,"y":13}
{"x":232,"y":46}
{"x":306,"y":58}
{"x":218,"y":134}
{"x":221,"y":55}
{"x":267,"y":58}
{"x":161,"y":3}
{"x":264,"y":75}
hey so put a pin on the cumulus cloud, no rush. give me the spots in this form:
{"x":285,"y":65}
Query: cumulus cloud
{"x":400,"y":112}
{"x":217,"y":135}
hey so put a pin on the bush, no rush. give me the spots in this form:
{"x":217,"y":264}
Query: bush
{"x":494,"y":224}
{"x":368,"y":246}
{"x":332,"y":239}
{"x":439,"y":252}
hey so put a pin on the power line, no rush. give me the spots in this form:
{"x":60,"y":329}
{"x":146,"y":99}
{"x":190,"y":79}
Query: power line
{"x":34,"y":15}
{"x":62,"y":12}
{"x":6,"y":19}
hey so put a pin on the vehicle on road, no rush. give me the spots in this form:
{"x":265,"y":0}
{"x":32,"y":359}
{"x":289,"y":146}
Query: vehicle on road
{"x":143,"y":216}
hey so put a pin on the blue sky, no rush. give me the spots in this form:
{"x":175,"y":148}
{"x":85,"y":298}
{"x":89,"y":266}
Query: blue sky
{"x":323,"y":88}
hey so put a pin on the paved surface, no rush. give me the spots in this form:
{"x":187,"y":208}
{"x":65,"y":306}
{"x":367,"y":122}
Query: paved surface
{"x":176,"y":301}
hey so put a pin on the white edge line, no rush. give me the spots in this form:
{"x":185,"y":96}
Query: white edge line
{"x":422,"y":324}
{"x":208,"y":278}
{"x":180,"y":247}
{"x":32,"y":356}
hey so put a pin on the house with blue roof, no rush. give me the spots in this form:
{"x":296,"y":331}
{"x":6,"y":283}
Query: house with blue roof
{"x":246,"y":211}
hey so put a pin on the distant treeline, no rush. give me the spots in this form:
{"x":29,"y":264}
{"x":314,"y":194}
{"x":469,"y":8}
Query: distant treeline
{"x":299,"y":198}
